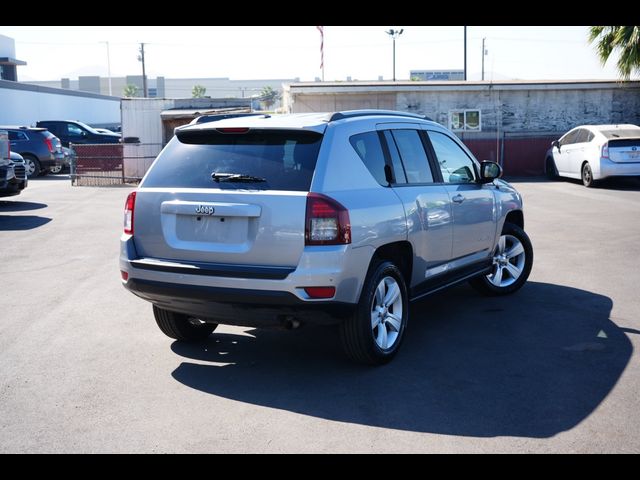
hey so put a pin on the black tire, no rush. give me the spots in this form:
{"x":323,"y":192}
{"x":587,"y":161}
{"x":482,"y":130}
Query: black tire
{"x":31,"y":160}
{"x":587,"y":176}
{"x":550,"y":169}
{"x":180,"y":326}
{"x":484,"y":285}
{"x":357,"y":333}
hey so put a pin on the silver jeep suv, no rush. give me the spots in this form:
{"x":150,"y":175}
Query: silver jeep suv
{"x":318,"y":218}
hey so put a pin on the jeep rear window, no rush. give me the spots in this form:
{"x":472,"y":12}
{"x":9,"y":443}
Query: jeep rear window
{"x":285,"y":159}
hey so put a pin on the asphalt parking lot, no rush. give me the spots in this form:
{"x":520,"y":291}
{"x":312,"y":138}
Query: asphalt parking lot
{"x":83,"y":367}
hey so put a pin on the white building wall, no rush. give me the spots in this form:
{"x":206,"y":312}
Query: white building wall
{"x":25,"y":107}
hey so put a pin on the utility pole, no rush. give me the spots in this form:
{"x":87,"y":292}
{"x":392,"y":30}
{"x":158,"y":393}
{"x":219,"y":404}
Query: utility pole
{"x":484,"y":52}
{"x":108,"y":67}
{"x":144,"y":75}
{"x":465,"y":53}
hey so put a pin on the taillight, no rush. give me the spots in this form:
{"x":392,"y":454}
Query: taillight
{"x":49,"y":144}
{"x":327,"y":222}
{"x":128,"y":213}
{"x":605,"y":150}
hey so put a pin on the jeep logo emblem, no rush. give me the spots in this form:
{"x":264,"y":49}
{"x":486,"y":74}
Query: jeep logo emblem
{"x":205,"y":210}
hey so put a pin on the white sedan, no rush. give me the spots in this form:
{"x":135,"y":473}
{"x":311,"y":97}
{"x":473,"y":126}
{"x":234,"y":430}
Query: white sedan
{"x":593,"y":152}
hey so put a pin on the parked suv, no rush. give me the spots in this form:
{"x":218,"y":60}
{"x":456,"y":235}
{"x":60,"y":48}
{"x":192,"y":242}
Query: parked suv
{"x":41,"y":149}
{"x":70,"y":131}
{"x":318,"y":218}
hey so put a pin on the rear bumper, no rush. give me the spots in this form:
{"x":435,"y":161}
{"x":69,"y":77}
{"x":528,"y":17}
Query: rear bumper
{"x":259,"y":308}
{"x":250,"y":295}
{"x":613,"y":169}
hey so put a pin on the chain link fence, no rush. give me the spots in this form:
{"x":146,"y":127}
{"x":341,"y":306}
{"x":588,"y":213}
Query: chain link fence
{"x":111,"y":164}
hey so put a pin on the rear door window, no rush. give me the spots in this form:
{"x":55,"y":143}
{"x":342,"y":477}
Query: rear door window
{"x":265,"y":159}
{"x":413,"y":155}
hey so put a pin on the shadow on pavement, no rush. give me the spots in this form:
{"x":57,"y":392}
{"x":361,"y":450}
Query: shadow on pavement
{"x":21,"y":222}
{"x":532,"y":365}
{"x":18,"y":206}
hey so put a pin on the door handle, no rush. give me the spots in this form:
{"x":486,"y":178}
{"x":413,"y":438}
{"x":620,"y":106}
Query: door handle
{"x":458,"y":199}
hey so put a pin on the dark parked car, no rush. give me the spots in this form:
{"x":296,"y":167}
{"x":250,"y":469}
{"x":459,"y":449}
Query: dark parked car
{"x":71,"y":131}
{"x":40,"y":148}
{"x":13,"y":177}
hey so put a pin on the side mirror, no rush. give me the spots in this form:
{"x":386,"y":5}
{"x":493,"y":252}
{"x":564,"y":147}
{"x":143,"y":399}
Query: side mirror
{"x":84,"y":134}
{"x":556,"y":144}
{"x":489,"y":171}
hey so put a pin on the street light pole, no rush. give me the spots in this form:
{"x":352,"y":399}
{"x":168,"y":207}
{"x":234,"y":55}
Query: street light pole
{"x":108,"y":68}
{"x":394,"y":34}
{"x":465,"y":53}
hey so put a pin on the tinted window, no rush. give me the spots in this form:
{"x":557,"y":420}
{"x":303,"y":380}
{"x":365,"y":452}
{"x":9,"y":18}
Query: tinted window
{"x":455,"y":164}
{"x":285,"y":159}
{"x":590,"y":136}
{"x":74,"y":130}
{"x":414,"y":158}
{"x":621,"y":133}
{"x":17,"y":136}
{"x":398,"y":170}
{"x":582,"y":136}
{"x":368,"y":147}
{"x":570,"y":138}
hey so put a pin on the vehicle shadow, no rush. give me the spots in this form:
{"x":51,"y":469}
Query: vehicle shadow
{"x":610,"y":183}
{"x":18,"y":206}
{"x":49,"y":177}
{"x":530,"y":365}
{"x":21,"y":222}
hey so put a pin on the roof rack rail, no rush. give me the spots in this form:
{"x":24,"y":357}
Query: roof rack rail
{"x":366,"y":113}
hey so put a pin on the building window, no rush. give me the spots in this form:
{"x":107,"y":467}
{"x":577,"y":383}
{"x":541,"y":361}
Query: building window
{"x":465,"y":120}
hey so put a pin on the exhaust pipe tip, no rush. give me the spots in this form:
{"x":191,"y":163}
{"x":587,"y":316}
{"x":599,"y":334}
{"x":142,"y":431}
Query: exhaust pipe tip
{"x":290,"y":323}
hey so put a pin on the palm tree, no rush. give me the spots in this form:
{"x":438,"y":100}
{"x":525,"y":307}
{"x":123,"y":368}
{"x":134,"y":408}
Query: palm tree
{"x":130,"y":90}
{"x":624,"y":40}
{"x":198,"y":91}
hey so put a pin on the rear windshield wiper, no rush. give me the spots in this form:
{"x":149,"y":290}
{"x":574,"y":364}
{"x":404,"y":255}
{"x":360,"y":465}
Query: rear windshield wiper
{"x":235,"y":177}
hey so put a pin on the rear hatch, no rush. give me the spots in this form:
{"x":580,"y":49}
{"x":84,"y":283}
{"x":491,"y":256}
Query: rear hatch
{"x":625,"y":150}
{"x":233,"y":196}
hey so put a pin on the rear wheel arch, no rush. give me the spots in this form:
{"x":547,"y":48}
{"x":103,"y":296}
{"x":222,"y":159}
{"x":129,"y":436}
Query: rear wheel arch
{"x":398,"y":253}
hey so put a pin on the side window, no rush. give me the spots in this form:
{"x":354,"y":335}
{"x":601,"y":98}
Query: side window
{"x":590,"y":136}
{"x":368,"y":147}
{"x":74,"y":130}
{"x":455,"y":164}
{"x":398,"y":169}
{"x":582,"y":136}
{"x":17,"y":136}
{"x":569,"y":138}
{"x":413,"y":155}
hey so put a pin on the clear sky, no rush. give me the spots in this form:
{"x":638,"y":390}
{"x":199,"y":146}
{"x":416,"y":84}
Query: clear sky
{"x":363,"y":53}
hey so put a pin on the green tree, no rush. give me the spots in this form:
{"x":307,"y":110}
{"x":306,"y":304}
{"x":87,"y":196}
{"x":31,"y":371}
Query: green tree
{"x":623,"y":40}
{"x":130,"y":90}
{"x":269,"y":96}
{"x":198,"y":91}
